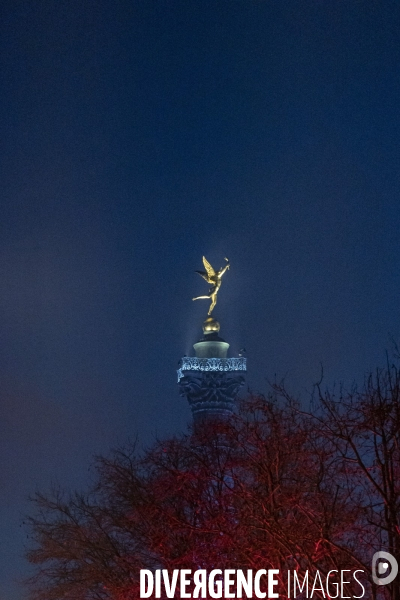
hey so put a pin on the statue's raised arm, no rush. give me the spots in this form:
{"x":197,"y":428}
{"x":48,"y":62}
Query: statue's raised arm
{"x":213,"y":278}
{"x":222,"y":270}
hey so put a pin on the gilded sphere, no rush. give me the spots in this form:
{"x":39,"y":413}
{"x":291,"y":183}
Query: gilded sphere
{"x":210,"y":325}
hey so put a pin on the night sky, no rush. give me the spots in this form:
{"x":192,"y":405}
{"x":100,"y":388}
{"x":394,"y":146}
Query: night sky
{"x":138,"y":135}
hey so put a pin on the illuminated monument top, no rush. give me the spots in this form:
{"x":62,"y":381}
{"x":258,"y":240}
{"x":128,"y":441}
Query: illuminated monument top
{"x":210,"y":380}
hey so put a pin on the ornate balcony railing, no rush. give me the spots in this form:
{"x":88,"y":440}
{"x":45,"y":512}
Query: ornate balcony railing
{"x":192,"y":363}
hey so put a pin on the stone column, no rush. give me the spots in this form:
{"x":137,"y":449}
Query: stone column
{"x":210,"y":380}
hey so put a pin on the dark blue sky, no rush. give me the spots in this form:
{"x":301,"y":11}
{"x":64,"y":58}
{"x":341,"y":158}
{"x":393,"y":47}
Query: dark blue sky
{"x":137,"y":136}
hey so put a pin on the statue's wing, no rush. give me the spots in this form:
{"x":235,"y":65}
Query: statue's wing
{"x":203,"y":274}
{"x":208,"y":268}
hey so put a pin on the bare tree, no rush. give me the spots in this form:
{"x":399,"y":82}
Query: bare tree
{"x":275,"y":487}
{"x":363,"y":428}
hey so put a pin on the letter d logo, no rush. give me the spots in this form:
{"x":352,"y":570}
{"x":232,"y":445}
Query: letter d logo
{"x":383,"y":567}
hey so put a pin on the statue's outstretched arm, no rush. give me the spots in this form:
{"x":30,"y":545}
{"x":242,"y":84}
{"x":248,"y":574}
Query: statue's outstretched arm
{"x":222,"y":271}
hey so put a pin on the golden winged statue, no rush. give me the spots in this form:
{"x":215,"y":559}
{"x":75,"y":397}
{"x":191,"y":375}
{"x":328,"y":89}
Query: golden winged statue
{"x":215,"y":279}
